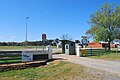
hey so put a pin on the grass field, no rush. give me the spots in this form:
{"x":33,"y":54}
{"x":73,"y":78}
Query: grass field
{"x":57,"y":70}
{"x":20,"y":47}
{"x":108,"y":56}
{"x":13,"y":61}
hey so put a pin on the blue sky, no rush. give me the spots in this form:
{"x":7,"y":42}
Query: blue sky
{"x":52,"y":17}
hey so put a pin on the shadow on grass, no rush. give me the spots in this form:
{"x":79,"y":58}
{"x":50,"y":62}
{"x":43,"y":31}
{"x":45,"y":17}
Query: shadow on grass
{"x":58,"y":53}
{"x":50,"y":60}
{"x":25,"y":65}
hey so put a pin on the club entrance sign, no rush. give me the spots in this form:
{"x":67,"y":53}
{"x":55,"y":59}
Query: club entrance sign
{"x":43,"y":39}
{"x":33,"y":55}
{"x":26,"y":56}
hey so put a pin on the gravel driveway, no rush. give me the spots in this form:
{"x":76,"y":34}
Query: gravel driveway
{"x":108,"y":66}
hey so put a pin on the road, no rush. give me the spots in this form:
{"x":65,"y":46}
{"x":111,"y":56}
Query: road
{"x":109,"y":66}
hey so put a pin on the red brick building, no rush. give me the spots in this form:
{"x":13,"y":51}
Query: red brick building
{"x":99,"y":45}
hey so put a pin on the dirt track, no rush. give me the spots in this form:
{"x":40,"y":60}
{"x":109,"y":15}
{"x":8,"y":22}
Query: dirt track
{"x":108,"y":66}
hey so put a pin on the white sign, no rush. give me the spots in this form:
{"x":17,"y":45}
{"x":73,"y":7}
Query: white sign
{"x":26,"y":56}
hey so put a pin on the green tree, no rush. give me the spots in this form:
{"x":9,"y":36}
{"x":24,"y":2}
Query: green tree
{"x":105,"y":23}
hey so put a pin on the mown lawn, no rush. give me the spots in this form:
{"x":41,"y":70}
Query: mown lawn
{"x":57,"y":70}
{"x":20,"y":47}
{"x":12,"y":61}
{"x":17,"y":47}
{"x":108,"y":56}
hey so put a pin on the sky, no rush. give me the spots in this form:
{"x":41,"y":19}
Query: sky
{"x":51,"y":17}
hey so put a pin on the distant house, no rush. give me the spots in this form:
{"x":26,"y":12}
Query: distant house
{"x":100,"y":45}
{"x":116,"y":41}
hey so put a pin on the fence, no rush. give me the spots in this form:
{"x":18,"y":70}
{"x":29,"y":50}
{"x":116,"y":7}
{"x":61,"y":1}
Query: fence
{"x":95,"y":51}
{"x":90,"y":51}
{"x":7,"y":57}
{"x":38,"y":58}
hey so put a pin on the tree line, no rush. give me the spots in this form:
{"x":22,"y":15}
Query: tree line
{"x":105,"y":23}
{"x":29,"y":43}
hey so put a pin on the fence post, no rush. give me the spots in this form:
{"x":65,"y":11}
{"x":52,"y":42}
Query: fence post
{"x":78,"y":49}
{"x":91,"y":51}
{"x":105,"y":48}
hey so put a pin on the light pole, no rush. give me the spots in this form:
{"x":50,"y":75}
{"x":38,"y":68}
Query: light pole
{"x":26,"y":30}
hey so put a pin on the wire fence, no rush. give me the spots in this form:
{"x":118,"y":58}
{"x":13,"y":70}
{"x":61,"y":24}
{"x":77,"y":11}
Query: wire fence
{"x":7,"y":57}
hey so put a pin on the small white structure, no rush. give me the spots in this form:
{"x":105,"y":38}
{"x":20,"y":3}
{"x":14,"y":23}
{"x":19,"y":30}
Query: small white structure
{"x":26,"y":56}
{"x":78,"y":50}
{"x":59,"y":44}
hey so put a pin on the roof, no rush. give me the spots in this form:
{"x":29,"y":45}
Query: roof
{"x":66,"y":41}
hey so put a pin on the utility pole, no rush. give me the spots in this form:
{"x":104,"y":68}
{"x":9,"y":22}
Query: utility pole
{"x":26,"y":31}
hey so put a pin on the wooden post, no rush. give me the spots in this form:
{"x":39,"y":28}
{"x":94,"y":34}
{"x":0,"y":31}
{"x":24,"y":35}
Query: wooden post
{"x":91,"y":51}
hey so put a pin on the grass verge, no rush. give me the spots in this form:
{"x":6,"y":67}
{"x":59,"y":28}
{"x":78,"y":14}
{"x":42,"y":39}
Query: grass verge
{"x":108,"y":56}
{"x":11,"y":61}
{"x":57,"y":70}
{"x":20,"y":47}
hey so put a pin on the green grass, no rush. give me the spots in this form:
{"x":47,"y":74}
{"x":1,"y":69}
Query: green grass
{"x":3,"y":61}
{"x":20,"y":47}
{"x":108,"y":56}
{"x":11,"y":47}
{"x":57,"y":70}
{"x":101,"y":54}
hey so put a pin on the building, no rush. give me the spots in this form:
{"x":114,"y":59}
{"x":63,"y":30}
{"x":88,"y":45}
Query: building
{"x":68,"y":47}
{"x":100,"y":45}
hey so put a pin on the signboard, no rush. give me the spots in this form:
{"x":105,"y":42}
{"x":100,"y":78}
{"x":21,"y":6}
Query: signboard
{"x":44,"y":42}
{"x":84,"y":40}
{"x":83,"y":51}
{"x":26,"y":56}
{"x":43,"y":37}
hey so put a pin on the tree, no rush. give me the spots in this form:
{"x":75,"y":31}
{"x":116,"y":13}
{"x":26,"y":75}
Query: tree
{"x":57,"y":42}
{"x":51,"y":41}
{"x":105,"y":23}
{"x":77,"y":41}
{"x":66,"y":37}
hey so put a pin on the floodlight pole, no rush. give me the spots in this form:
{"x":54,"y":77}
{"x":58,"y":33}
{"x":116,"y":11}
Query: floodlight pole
{"x":26,"y":31}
